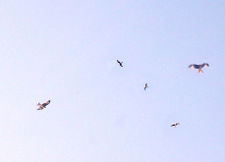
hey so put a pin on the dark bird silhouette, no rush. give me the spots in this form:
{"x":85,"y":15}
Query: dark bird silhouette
{"x":175,"y":124}
{"x":120,"y":63}
{"x":42,"y":106}
{"x":146,"y":86}
{"x":199,"y":67}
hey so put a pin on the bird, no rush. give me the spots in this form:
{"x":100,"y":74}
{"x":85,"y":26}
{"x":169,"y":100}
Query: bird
{"x":199,"y":67}
{"x":42,"y":106}
{"x":120,"y":63}
{"x":146,"y":86}
{"x":175,"y":124}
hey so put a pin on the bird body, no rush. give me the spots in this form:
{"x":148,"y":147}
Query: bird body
{"x":199,"y":67}
{"x":42,"y":106}
{"x":120,"y":63}
{"x":175,"y":124}
{"x":146,"y":86}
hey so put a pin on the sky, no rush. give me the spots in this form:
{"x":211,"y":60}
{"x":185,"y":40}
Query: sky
{"x":66,"y":51}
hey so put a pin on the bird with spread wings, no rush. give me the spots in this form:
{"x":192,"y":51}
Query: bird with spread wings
{"x":199,"y":67}
{"x":42,"y":106}
{"x":120,"y":63}
{"x":175,"y":124}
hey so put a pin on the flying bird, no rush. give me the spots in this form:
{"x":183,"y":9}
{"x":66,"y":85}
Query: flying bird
{"x":42,"y":106}
{"x":175,"y":124}
{"x":199,"y":67}
{"x":120,"y":63}
{"x":146,"y":86}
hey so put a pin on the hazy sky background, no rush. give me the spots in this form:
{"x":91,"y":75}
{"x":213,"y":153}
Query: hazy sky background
{"x":66,"y":51}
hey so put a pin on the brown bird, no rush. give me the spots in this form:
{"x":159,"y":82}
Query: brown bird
{"x":120,"y":63}
{"x":199,"y":67}
{"x":42,"y":106}
{"x":175,"y":124}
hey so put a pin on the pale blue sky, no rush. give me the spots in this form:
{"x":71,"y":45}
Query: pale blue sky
{"x":66,"y":51}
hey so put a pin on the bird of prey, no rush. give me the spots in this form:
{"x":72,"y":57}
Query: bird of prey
{"x":175,"y":124}
{"x":199,"y":67}
{"x":146,"y":86}
{"x":42,"y":106}
{"x":120,"y":63}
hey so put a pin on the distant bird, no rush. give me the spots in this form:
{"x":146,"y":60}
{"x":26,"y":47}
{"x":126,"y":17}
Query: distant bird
{"x":42,"y":106}
{"x":175,"y":124}
{"x":199,"y":67}
{"x":146,"y":86}
{"x":120,"y":63}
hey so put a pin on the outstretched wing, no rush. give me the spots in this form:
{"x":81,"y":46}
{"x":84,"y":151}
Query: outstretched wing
{"x":192,"y":66}
{"x":46,"y":103}
{"x":205,"y":65}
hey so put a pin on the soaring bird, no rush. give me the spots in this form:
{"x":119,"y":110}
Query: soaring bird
{"x":120,"y":63}
{"x":42,"y":106}
{"x":146,"y":86}
{"x":199,"y":67}
{"x":175,"y":124}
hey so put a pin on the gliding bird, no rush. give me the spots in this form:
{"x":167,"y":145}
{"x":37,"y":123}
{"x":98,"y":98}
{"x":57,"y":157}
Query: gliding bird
{"x":199,"y":67}
{"x":42,"y":106}
{"x":120,"y":63}
{"x":175,"y":124}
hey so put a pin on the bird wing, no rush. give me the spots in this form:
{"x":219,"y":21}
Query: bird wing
{"x":44,"y":104}
{"x":192,"y":66}
{"x":205,"y":65}
{"x":195,"y":66}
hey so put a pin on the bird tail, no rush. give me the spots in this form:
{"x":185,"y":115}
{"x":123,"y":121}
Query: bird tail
{"x":38,"y":104}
